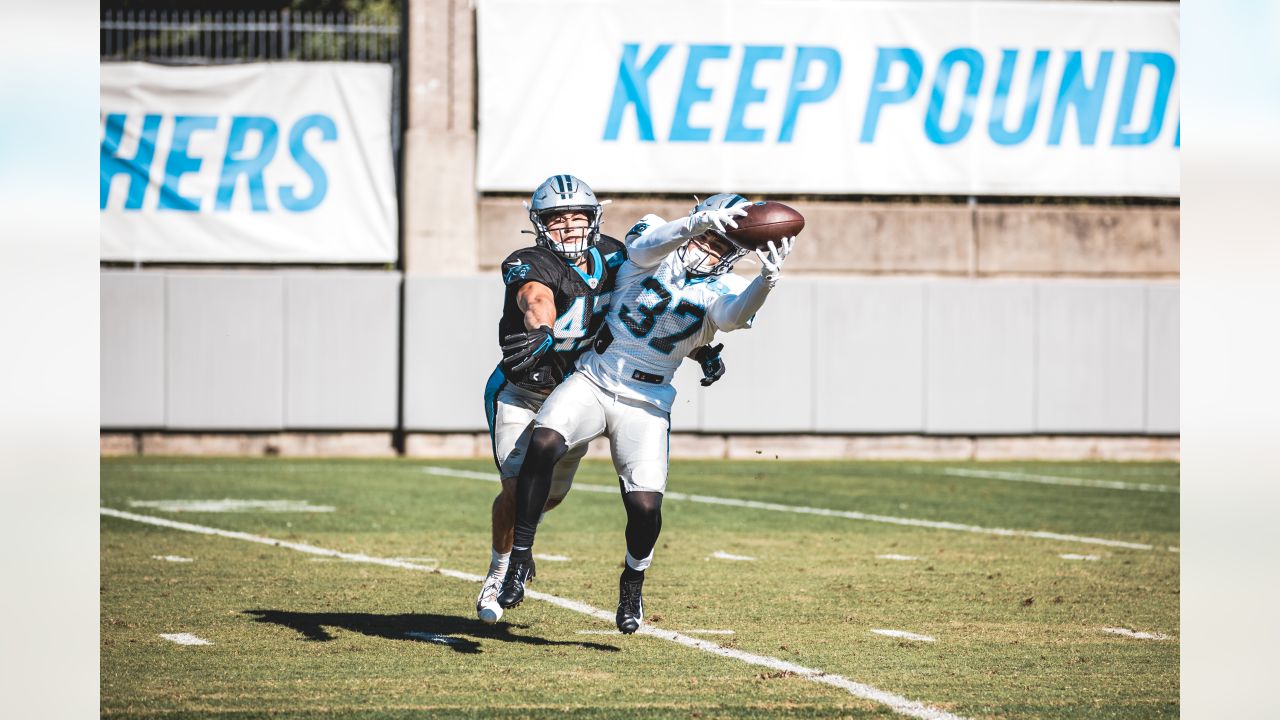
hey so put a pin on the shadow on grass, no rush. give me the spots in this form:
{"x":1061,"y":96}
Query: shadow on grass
{"x":413,"y":627}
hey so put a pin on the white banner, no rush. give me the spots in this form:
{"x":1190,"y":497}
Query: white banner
{"x":831,"y":96}
{"x":265,"y":162}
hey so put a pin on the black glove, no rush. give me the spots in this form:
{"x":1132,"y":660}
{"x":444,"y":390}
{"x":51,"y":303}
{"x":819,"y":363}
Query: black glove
{"x":712,"y":365}
{"x":522,"y":350}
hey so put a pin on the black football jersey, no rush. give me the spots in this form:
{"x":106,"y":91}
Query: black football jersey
{"x":582,"y":302}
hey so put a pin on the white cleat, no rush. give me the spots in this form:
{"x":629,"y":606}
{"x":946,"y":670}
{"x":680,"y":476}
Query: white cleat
{"x":487,"y":607}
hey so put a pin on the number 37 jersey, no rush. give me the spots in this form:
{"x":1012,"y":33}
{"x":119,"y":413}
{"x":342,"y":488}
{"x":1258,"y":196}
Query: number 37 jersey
{"x":658,"y":316}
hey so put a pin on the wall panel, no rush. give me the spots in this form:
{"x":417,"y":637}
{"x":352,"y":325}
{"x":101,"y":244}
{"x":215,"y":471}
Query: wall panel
{"x":1162,"y":359}
{"x":1090,"y":341}
{"x":868,"y":355}
{"x":451,"y":348}
{"x":980,"y":357}
{"x":132,"y":349}
{"x":341,"y":349}
{"x":225,"y":351}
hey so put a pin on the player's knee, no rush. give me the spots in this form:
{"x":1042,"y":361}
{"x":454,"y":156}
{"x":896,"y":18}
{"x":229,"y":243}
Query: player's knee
{"x":546,"y":446}
{"x":643,"y":505}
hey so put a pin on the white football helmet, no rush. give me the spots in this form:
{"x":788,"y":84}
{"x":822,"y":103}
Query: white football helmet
{"x":711,"y":253}
{"x":557,"y":194}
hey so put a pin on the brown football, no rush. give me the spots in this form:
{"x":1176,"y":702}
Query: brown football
{"x":763,"y":222}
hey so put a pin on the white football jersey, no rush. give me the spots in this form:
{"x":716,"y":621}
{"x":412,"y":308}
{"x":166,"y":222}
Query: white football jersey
{"x":658,"y":316}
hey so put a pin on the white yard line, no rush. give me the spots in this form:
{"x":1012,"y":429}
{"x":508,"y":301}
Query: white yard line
{"x":897,"y":703}
{"x":172,"y":558}
{"x":777,"y":507}
{"x":1073,"y":556}
{"x":184,"y":639}
{"x":1126,"y":632}
{"x":228,"y":505}
{"x":721,"y":555}
{"x":893,"y":556}
{"x":551,"y":558}
{"x":1057,"y":480}
{"x":904,"y":635}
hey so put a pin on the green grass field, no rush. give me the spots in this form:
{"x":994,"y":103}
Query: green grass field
{"x":1019,"y":629}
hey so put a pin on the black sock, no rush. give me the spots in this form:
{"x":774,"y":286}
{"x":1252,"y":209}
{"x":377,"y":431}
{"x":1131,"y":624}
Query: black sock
{"x":546,"y":447}
{"x":629,"y":573}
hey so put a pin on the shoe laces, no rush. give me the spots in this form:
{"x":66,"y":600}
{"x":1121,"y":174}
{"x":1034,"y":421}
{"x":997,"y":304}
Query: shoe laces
{"x":492,"y":586}
{"x":631,"y":593}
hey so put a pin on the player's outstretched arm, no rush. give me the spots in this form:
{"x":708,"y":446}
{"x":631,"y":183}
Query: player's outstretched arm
{"x":538,"y":304}
{"x":732,"y":312}
{"x":522,"y":350}
{"x":648,"y":246}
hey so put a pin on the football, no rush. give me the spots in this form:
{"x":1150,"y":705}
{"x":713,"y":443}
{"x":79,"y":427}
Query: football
{"x":763,"y":222}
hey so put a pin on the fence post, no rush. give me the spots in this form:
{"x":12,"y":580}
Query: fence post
{"x":284,"y":29}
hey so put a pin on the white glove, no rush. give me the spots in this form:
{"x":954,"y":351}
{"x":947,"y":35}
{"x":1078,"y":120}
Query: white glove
{"x":771,"y":263}
{"x":721,"y":219}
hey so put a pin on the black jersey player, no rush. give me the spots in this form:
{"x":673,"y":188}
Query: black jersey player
{"x":557,"y":296}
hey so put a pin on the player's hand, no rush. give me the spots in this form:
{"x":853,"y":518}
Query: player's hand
{"x":771,"y":262}
{"x":720,"y":219}
{"x":712,"y":364}
{"x":522,"y":350}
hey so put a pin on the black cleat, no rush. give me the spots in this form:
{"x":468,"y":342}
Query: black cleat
{"x":512,"y":593}
{"x":630,"y":605}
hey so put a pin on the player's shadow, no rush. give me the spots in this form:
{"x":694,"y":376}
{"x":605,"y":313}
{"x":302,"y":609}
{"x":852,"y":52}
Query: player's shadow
{"x":458,"y":633}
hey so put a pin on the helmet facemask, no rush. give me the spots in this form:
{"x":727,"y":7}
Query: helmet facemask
{"x":709,"y":255}
{"x":567,"y":231}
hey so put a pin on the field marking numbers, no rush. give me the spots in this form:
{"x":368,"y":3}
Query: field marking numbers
{"x":1058,"y":480}
{"x":1136,"y":635}
{"x":172,"y":558}
{"x":551,"y":558}
{"x":721,"y":555}
{"x":897,"y":703}
{"x":851,"y":515}
{"x":892,"y":556}
{"x":228,"y":505}
{"x":185,"y":639}
{"x":904,"y":635}
{"x":1073,"y":556}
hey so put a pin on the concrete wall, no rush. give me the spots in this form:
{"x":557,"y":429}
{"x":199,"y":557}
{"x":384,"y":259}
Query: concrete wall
{"x":249,"y":350}
{"x":263,"y":351}
{"x":928,"y":238}
{"x":867,"y":355}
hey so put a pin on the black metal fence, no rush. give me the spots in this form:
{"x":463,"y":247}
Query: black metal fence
{"x":210,"y":38}
{"x":218,"y":37}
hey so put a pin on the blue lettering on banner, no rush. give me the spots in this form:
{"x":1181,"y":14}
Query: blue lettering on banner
{"x":180,"y":163}
{"x":933,"y":119}
{"x":1000,"y":103}
{"x":136,"y":168}
{"x":692,"y":93}
{"x":882,"y":94}
{"x":806,"y":56}
{"x":899,"y":73}
{"x":249,"y":145}
{"x":748,"y":93}
{"x":1124,"y":134}
{"x":1085,"y":97}
{"x":233,"y":165}
{"x":297,"y":148}
{"x":633,"y":89}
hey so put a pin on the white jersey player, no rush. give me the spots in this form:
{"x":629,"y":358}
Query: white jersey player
{"x":673,"y":294}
